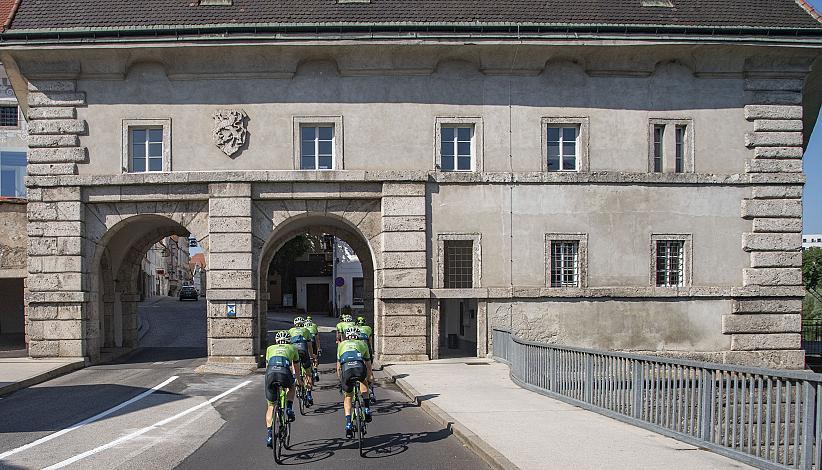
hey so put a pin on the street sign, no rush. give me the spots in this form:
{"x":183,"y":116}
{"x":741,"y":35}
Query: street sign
{"x":339,"y":282}
{"x":231,"y":310}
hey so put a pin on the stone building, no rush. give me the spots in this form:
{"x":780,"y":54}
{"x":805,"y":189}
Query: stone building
{"x":623,"y":175}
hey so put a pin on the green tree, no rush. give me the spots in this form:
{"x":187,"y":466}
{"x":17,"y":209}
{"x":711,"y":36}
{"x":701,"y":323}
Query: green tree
{"x":812,"y":271}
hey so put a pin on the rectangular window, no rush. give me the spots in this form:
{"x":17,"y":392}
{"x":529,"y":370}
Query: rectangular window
{"x":358,"y":291}
{"x":458,"y":269}
{"x":562,"y":148}
{"x":317,"y":147}
{"x":670,"y":263}
{"x":680,"y":149}
{"x":564,"y":263}
{"x":457,"y":148}
{"x":13,"y":174}
{"x":8,"y":116}
{"x":145,"y":149}
{"x":659,"y":133}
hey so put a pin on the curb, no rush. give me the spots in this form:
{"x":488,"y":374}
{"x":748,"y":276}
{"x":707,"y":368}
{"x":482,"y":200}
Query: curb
{"x":44,"y":377}
{"x":492,"y":456}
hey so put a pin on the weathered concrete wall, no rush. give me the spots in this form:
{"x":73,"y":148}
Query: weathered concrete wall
{"x":13,"y":239}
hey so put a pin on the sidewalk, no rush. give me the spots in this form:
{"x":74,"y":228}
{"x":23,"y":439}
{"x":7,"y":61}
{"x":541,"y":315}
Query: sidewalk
{"x":22,"y":372}
{"x":513,"y":427}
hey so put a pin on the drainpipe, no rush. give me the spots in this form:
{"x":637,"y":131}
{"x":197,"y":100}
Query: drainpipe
{"x":334,"y":274}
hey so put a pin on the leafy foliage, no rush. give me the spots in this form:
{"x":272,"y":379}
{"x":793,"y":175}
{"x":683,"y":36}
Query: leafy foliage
{"x":812,"y":268}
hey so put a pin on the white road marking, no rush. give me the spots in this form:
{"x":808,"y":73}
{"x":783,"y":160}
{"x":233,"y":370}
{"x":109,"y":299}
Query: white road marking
{"x":146,"y":429}
{"x":88,"y":420}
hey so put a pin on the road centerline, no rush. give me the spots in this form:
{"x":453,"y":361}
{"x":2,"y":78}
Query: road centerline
{"x":90,"y":420}
{"x":146,"y":429}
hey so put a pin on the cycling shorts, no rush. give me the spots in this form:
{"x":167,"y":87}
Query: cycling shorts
{"x":353,"y":372}
{"x":305,"y":358}
{"x":277,"y":376}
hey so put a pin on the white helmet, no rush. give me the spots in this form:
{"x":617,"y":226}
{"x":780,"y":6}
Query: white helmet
{"x":282,"y":337}
{"x":299,"y":321}
{"x":345,"y":317}
{"x":352,"y":332}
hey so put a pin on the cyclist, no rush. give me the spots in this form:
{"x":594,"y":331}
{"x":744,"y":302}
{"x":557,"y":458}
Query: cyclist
{"x":353,"y":365}
{"x":367,"y":335}
{"x":282,"y":360}
{"x":301,"y":339}
{"x":315,"y":333}
{"x":345,"y":322}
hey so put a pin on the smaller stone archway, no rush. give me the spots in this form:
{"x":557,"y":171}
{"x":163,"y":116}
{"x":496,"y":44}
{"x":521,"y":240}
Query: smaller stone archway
{"x":317,"y":223}
{"x":120,"y":243}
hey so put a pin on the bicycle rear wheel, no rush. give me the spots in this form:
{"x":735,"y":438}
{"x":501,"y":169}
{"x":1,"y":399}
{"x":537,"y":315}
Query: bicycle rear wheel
{"x":360,"y":425}
{"x":277,"y":430}
{"x":301,"y":399}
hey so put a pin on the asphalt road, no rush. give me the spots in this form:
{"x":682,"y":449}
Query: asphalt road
{"x":176,"y":418}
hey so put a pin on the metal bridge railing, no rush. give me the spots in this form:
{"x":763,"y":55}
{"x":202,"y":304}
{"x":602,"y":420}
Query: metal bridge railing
{"x":764,"y":417}
{"x":812,"y":337}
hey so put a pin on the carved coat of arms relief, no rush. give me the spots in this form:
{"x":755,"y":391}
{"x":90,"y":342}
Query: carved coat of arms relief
{"x":230,"y":130}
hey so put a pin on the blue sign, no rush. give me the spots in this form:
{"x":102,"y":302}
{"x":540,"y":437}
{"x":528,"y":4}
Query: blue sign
{"x":339,"y":282}
{"x":231,"y":311}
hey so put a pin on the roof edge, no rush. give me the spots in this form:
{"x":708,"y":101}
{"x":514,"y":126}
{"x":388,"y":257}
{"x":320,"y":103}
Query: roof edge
{"x":810,"y":9}
{"x":10,"y":17}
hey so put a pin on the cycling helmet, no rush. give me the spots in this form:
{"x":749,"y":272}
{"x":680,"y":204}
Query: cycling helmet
{"x":282,"y":337}
{"x":308,"y":318}
{"x":345,"y":318}
{"x":352,"y":332}
{"x":308,"y":323}
{"x":360,"y":321}
{"x":299,"y":321}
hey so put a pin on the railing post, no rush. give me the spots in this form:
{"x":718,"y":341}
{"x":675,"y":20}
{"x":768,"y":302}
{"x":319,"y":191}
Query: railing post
{"x":638,"y":389}
{"x":705,"y":400}
{"x":552,"y":369}
{"x":808,"y":424}
{"x":589,"y":378}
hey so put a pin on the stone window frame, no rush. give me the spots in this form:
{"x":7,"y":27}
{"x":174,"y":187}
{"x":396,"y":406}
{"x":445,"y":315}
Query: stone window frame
{"x":478,"y":145}
{"x":671,"y":123}
{"x":582,"y":253}
{"x":583,"y":146}
{"x":687,"y":253}
{"x":476,"y":262}
{"x":128,"y":124}
{"x":338,"y":161}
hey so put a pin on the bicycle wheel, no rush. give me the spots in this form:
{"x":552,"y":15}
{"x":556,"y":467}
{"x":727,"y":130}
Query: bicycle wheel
{"x":301,"y":399}
{"x":360,"y":425}
{"x":287,"y":441}
{"x":277,"y":426}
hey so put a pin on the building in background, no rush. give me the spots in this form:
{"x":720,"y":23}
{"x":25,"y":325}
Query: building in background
{"x":197,"y":267}
{"x":166,"y":267}
{"x":13,"y":238}
{"x":812,"y":240}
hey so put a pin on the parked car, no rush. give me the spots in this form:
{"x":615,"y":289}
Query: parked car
{"x":189,"y":292}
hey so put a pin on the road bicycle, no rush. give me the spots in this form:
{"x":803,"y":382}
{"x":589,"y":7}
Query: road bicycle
{"x":280,"y":426}
{"x":358,"y":417}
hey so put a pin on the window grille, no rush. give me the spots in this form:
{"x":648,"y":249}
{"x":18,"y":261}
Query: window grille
{"x":564,"y":264}
{"x":317,"y":148}
{"x":8,"y":116}
{"x":670,"y":263}
{"x":458,"y":269}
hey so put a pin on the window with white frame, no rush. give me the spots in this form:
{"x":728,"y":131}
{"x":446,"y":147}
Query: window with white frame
{"x":671,"y":260}
{"x":671,"y":146}
{"x":146,"y":145}
{"x":12,"y":174}
{"x":146,"y":149}
{"x":317,"y":147}
{"x":457,"y":148}
{"x":566,"y":259}
{"x":563,"y":147}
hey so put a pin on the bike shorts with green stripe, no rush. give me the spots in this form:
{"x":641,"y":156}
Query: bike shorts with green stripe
{"x":277,"y":376}
{"x":352,"y":372}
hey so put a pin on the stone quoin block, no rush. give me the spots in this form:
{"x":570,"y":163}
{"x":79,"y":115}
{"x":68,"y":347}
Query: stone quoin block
{"x":771,"y":241}
{"x":762,"y":323}
{"x":773,"y":166}
{"x":229,"y":242}
{"x":48,"y":141}
{"x":230,"y":261}
{"x":39,"y":246}
{"x":56,"y":98}
{"x":45,"y":169}
{"x":778,"y":152}
{"x":397,"y":325}
{"x":404,"y":241}
{"x":57,"y":126}
{"x":42,"y":312}
{"x":55,"y":264}
{"x":404,"y":345}
{"x":229,"y":224}
{"x":56,"y":282}
{"x":229,"y":207}
{"x":777,"y":125}
{"x":230,"y":346}
{"x":395,"y":206}
{"x":55,"y":229}
{"x":52,"y":113}
{"x":772,"y":277}
{"x":776,"y":259}
{"x":407,"y":259}
{"x":403,"y":224}
{"x":230,"y":327}
{"x":777,"y":192}
{"x":404,"y":277}
{"x":44,"y":348}
{"x":52,"y":85}
{"x":220,"y":190}
{"x":220,"y":297}
{"x":767,"y":306}
{"x":777,"y":225}
{"x":61,"y":193}
{"x":229,"y":279}
{"x":777,"y":97}
{"x":773,"y":139}
{"x":771,"y":208}
{"x":778,"y":359}
{"x":58,"y":155}
{"x":63,"y":329}
{"x":403,"y":189}
{"x":759,"y":111}
{"x":753,"y":342}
